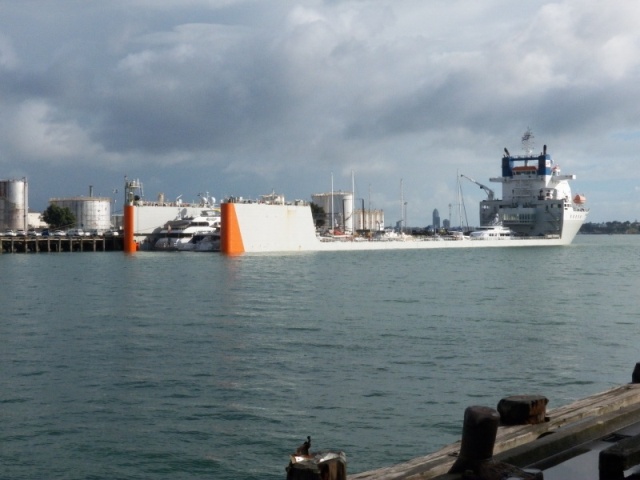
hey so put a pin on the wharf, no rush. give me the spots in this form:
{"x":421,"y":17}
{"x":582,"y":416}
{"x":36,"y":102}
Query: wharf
{"x":60,"y":244}
{"x":566,"y":446}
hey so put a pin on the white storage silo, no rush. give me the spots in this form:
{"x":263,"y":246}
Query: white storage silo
{"x":92,"y":213}
{"x":14,"y":204}
{"x":342,"y":209}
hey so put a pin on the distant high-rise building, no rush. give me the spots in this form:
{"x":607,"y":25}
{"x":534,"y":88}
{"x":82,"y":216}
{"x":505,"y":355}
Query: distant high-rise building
{"x":446,"y":224}
{"x":436,"y":219}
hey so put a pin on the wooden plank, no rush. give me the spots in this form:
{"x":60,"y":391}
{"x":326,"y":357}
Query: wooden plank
{"x":592,"y":415}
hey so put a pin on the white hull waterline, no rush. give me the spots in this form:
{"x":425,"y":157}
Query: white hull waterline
{"x":289,"y":228}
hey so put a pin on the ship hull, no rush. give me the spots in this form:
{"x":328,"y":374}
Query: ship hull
{"x":262,"y":228}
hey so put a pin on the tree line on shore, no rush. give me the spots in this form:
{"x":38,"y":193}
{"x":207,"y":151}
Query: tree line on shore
{"x":614,"y":227}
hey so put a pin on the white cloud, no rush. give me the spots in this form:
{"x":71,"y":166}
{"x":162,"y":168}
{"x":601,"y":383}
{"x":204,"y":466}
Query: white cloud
{"x":37,"y":133}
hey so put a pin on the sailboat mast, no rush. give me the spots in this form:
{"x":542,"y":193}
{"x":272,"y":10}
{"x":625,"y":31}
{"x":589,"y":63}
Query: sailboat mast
{"x":353,"y":203}
{"x":332,"y":203}
{"x":459,"y":201}
{"x":401,"y":207}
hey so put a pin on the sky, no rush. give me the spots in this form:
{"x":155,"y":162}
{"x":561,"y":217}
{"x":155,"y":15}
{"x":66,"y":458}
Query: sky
{"x":246,"y":97}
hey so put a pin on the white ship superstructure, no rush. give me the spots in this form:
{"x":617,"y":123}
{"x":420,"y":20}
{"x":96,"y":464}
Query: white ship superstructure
{"x":536,"y":197}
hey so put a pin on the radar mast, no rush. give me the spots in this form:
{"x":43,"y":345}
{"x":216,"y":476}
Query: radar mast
{"x":527,"y":142}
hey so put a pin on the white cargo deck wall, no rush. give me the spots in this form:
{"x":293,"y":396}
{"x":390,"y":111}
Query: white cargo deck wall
{"x":276,"y":228}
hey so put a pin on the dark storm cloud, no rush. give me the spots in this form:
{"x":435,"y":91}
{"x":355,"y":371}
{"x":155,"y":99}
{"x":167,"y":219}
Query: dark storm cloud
{"x":191,"y":97}
{"x":261,"y":95}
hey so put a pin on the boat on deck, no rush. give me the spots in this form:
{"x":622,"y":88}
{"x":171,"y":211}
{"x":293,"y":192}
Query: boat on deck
{"x":201,"y":242}
{"x":184,"y":234}
{"x":491,"y":232}
{"x":207,"y":243}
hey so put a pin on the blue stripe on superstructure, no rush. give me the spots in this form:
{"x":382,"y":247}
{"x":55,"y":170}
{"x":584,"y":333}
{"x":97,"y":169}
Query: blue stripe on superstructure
{"x":506,"y":167}
{"x":508,"y":162}
{"x":544,"y":164}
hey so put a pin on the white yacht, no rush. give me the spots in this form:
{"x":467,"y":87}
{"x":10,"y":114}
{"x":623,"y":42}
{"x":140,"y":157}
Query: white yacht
{"x":180,"y":234}
{"x":491,"y":232}
{"x":208,"y":243}
{"x":201,"y":242}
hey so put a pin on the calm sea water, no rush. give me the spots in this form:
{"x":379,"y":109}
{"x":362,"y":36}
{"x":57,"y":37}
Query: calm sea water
{"x":172,"y":366}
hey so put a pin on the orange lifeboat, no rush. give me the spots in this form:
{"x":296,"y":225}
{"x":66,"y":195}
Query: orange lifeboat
{"x":524,"y":170}
{"x":579,"y":199}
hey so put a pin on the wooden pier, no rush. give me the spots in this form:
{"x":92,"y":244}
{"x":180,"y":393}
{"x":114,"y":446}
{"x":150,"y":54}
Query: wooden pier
{"x":567,"y":433}
{"x":60,"y":244}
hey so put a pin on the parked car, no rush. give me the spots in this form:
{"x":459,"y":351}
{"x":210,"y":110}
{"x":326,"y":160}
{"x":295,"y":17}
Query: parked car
{"x":21,"y":233}
{"x":9,"y":233}
{"x":75,"y":232}
{"x":59,"y":233}
{"x":111,"y":233}
{"x":32,"y":232}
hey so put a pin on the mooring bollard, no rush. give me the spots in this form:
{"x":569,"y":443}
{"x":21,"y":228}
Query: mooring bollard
{"x":523,"y":409}
{"x":476,"y":449}
{"x":478,"y":438}
{"x":318,"y":466}
{"x":304,"y":465}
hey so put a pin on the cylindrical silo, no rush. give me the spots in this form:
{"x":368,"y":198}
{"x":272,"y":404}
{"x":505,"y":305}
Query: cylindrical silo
{"x":92,"y":213}
{"x":338,"y":204}
{"x":14,"y":204}
{"x":347,"y":209}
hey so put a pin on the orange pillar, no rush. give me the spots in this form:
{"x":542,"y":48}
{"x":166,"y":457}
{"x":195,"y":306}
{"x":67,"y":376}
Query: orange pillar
{"x":130,"y":245}
{"x":230,"y":236}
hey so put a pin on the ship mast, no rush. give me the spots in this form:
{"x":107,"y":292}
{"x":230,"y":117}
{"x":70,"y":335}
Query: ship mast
{"x":332,"y":220}
{"x":527,"y":142}
{"x":401,"y":207}
{"x":353,"y":203}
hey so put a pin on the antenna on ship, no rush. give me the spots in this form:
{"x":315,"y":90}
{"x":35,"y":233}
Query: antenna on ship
{"x":527,"y":141}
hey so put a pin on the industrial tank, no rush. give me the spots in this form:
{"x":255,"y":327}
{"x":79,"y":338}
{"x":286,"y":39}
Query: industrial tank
{"x":342,"y":209}
{"x":14,"y":204}
{"x":92,"y":213}
{"x":372,"y":220}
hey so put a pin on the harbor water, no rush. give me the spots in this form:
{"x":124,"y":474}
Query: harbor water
{"x":197,"y":365}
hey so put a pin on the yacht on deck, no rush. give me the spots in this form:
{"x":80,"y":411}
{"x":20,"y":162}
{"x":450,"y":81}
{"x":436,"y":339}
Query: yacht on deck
{"x":491,"y":232}
{"x":181,"y":234}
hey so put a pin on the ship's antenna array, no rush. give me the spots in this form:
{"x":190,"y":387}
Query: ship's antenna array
{"x":527,"y":141}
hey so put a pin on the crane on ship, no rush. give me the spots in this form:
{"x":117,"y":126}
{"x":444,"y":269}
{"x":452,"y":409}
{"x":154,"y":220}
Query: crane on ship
{"x":489,"y":192}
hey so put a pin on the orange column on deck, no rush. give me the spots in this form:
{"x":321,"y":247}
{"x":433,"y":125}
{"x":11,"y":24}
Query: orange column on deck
{"x":129,"y":243}
{"x":230,"y":236}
